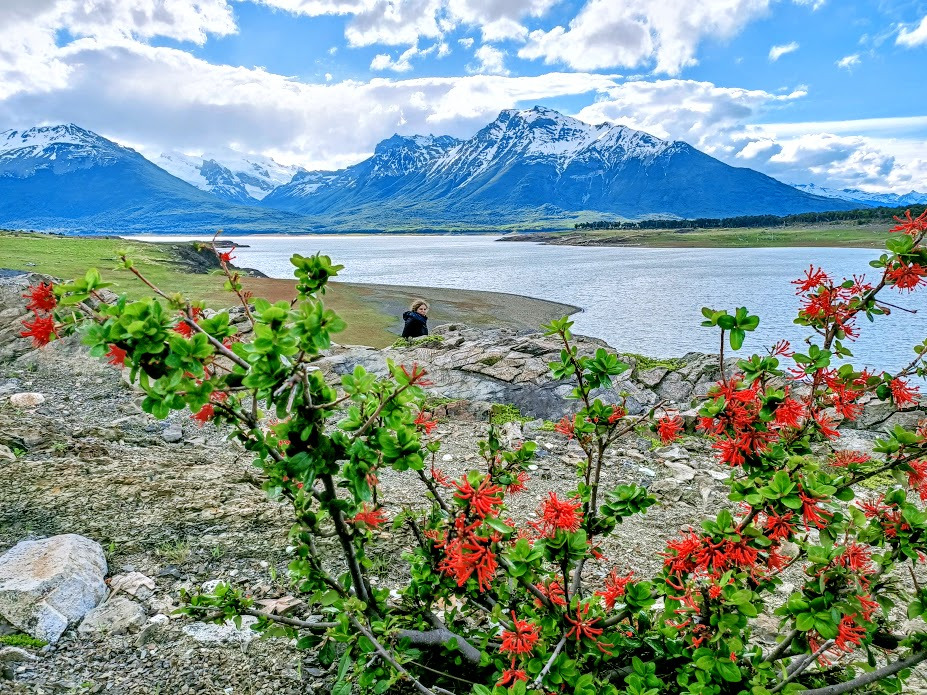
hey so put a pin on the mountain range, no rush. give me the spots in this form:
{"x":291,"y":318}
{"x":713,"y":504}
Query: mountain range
{"x":532,"y":168}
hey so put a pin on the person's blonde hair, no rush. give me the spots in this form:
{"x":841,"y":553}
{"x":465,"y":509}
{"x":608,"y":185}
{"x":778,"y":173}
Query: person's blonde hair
{"x":418,"y":303}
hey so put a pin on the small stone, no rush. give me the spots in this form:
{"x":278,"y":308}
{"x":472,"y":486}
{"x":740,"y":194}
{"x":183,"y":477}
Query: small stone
{"x":212,"y":635}
{"x":672,"y":453}
{"x":647,"y":471}
{"x":681,"y":471}
{"x":447,"y":457}
{"x":6,"y":454}
{"x":134,"y":584}
{"x":27,"y":400}
{"x":172,"y":434}
{"x":14,"y":655}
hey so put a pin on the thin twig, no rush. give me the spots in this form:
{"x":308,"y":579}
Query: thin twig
{"x":804,"y":665}
{"x":868,"y":678}
{"x":550,"y":662}
{"x":782,"y":647}
{"x":381,"y":650}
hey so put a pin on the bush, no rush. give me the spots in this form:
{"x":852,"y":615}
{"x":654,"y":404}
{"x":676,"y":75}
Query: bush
{"x":491,"y":608}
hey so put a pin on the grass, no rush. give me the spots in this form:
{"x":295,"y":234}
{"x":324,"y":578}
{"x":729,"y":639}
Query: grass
{"x":425,"y":341}
{"x":176,"y":552}
{"x":70,"y":257}
{"x":502,"y":413}
{"x":20,"y":640}
{"x":837,"y":234}
{"x":644,"y":362}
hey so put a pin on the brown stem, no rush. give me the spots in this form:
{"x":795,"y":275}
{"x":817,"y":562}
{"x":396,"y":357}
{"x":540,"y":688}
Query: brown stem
{"x":801,"y":668}
{"x":782,"y":647}
{"x":376,"y":413}
{"x":550,"y":662}
{"x":344,"y":537}
{"x":439,"y":637}
{"x":293,"y":622}
{"x":387,"y":657}
{"x":434,"y":491}
{"x":868,"y":678}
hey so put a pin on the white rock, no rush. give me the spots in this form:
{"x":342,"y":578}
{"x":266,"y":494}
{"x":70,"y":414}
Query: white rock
{"x":27,"y":400}
{"x":672,"y":453}
{"x":681,"y":471}
{"x":447,"y":457}
{"x":210,"y":586}
{"x":212,"y":634}
{"x":134,"y":584}
{"x":14,"y":655}
{"x":6,"y":453}
{"x":49,"y":584}
{"x":115,"y":617}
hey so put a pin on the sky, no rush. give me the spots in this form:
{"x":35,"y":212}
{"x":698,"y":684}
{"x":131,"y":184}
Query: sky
{"x":808,"y":91}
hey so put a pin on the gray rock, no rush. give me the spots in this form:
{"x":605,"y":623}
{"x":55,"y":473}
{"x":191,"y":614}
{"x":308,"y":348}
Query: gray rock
{"x":27,"y":400}
{"x":15,"y":655}
{"x":651,"y":377}
{"x":49,"y":584}
{"x":213,"y":635}
{"x":134,"y":584}
{"x":681,"y":471}
{"x":672,"y":453}
{"x":117,"y":616}
{"x":6,"y":454}
{"x":172,"y":434}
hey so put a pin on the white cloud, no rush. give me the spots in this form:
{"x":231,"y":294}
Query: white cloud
{"x":630,"y":33}
{"x":383,"y":61}
{"x":849,"y":61}
{"x":163,"y":98}
{"x":492,"y":61}
{"x":777,"y":52}
{"x":913,"y":37}
{"x":868,"y":153}
{"x":815,"y":4}
{"x":466,"y":42}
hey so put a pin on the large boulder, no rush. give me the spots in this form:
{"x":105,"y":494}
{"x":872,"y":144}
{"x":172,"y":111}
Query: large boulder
{"x":49,"y":584}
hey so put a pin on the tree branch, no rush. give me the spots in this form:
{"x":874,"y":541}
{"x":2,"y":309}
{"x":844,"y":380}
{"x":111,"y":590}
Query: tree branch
{"x":438,"y":637}
{"x":868,"y":678}
{"x":387,"y":657}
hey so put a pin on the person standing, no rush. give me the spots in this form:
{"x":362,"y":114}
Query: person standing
{"x":416,"y":320}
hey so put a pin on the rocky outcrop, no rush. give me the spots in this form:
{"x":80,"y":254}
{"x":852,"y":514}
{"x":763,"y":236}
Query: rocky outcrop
{"x":49,"y":584}
{"x":507,"y":366}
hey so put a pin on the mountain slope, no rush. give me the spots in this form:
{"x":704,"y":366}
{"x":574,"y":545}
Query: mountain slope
{"x":865,"y":198}
{"x":539,"y":164}
{"x":229,"y":175}
{"x":65,"y":178}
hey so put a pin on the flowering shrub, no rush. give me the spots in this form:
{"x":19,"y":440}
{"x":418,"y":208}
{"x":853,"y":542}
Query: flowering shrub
{"x":496,"y":608}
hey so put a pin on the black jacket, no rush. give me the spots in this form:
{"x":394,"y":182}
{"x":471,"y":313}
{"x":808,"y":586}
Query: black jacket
{"x":416,"y":325}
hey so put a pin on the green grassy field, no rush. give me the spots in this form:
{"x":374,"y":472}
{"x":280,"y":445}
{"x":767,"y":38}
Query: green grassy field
{"x":371,"y":311}
{"x":838,"y":234}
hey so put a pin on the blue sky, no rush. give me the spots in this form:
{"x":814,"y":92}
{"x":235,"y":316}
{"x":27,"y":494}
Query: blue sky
{"x":821,"y":91}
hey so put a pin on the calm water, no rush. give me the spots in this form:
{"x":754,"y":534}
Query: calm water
{"x":638,"y":300}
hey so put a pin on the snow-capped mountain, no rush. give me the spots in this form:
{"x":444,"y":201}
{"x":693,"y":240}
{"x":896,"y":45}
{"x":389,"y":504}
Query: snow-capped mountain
{"x":538,"y":163}
{"x":65,"y":178}
{"x":228,"y":174}
{"x":893,"y":200}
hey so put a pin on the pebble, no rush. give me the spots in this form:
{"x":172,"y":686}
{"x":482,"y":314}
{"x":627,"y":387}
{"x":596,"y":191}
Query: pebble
{"x":27,"y":400}
{"x":172,"y":434}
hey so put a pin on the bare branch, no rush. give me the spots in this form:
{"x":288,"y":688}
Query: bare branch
{"x":868,"y":678}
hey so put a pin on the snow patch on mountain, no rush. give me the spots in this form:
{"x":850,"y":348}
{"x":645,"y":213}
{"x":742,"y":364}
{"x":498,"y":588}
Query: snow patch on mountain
{"x":229,"y":174}
{"x":865,"y":197}
{"x":61,"y":148}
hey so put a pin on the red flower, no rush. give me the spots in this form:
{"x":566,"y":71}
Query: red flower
{"x":520,"y":484}
{"x":917,"y":478}
{"x":789,"y":413}
{"x":522,"y":639}
{"x":41,"y":330}
{"x":779,"y":527}
{"x":183,"y":328}
{"x":204,"y":415}
{"x":782,"y":349}
{"x":117,"y":356}
{"x":423,"y":422}
{"x":226,"y":257}
{"x":615,"y":587}
{"x":583,"y":628}
{"x":510,"y":676}
{"x":42,"y":298}
{"x":618,"y":412}
{"x":902,"y":393}
{"x":416,"y":376}
{"x":907,"y":276}
{"x":440,"y":477}
{"x":813,"y":279}
{"x":812,"y":514}
{"x":668,"y":428}
{"x":468,"y":553}
{"x":482,"y":499}
{"x":849,"y":634}
{"x":849,"y":457}
{"x":559,"y":515}
{"x":826,"y":426}
{"x":565,"y":427}
{"x":553,"y":592}
{"x":855,"y":557}
{"x":910,"y":225}
{"x":372,"y":517}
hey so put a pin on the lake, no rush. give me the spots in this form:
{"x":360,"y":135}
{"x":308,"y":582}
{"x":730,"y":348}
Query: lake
{"x":639,"y":300}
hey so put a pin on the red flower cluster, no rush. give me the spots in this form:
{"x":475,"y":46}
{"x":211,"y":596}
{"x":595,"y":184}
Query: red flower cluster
{"x":583,"y":628}
{"x":566,"y":427}
{"x":615,"y":587}
{"x":907,"y":276}
{"x":482,"y":499}
{"x":902,"y":393}
{"x":41,"y":298}
{"x":848,"y":457}
{"x":372,"y":517}
{"x":887,"y":515}
{"x":416,"y":376}
{"x":917,"y":478}
{"x":423,"y":422}
{"x":42,"y":302}
{"x":669,"y":428}
{"x":558,"y":515}
{"x":911,"y":225}
{"x":812,"y":513}
{"x":694,"y":554}
{"x":521,"y":639}
{"x":520,"y":484}
{"x":117,"y":356}
{"x":554,"y":593}
{"x":204,"y":414}
{"x":466,"y":553}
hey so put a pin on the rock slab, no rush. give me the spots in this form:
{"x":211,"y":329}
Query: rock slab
{"x":49,"y":584}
